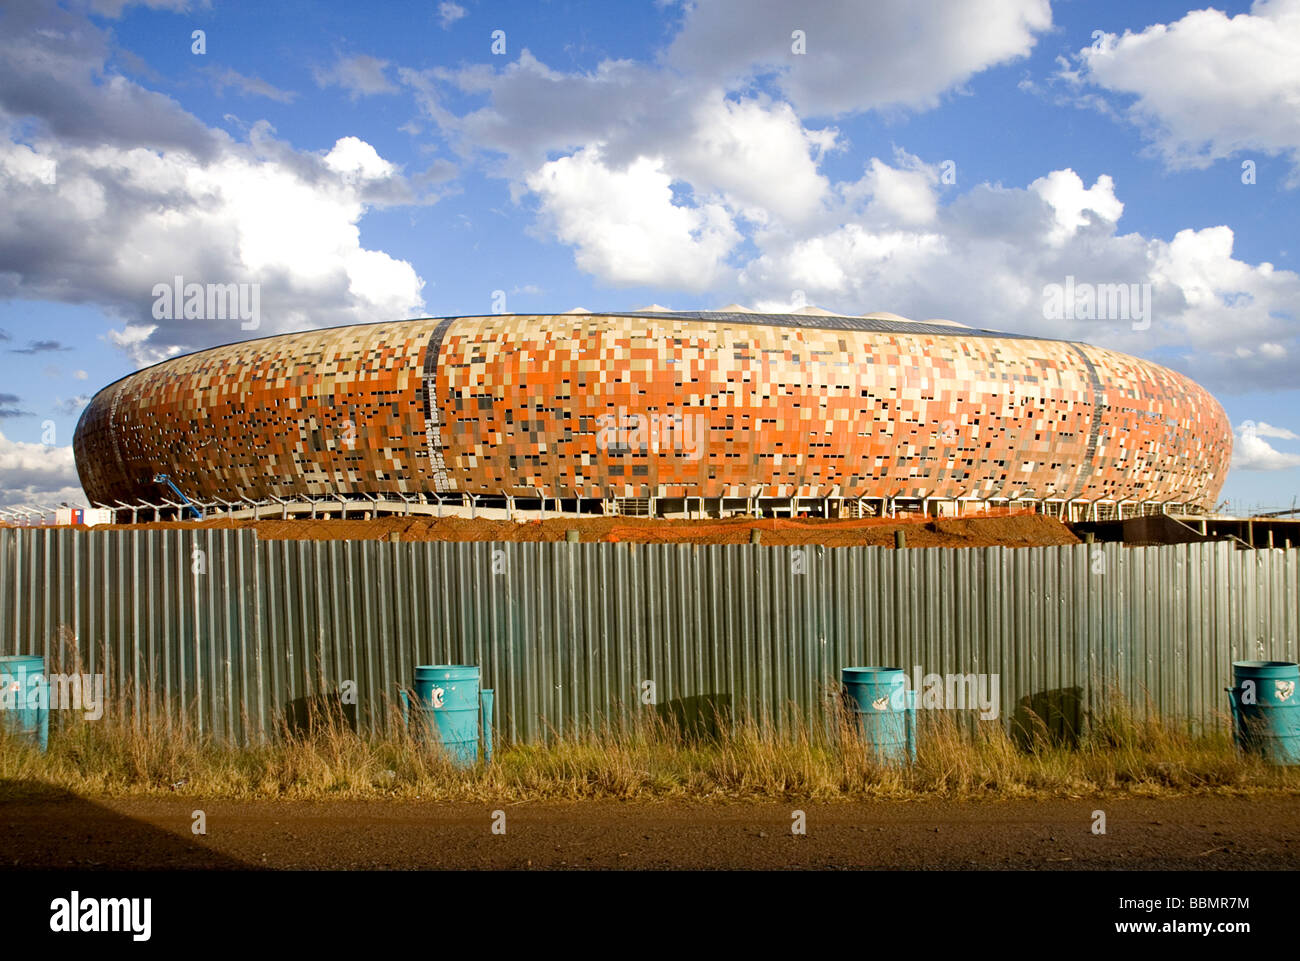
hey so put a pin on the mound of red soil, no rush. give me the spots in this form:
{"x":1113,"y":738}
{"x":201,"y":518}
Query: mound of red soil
{"x":1018,"y":530}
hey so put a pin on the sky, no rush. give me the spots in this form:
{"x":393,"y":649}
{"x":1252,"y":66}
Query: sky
{"x":352,"y":163}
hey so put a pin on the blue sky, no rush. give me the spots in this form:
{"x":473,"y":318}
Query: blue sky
{"x":364,"y":163}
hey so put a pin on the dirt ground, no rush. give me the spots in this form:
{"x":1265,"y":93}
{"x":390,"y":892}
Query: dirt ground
{"x":1195,"y":833}
{"x":1017,"y":530}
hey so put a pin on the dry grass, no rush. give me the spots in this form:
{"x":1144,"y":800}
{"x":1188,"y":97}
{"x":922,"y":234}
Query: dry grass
{"x":645,"y":759}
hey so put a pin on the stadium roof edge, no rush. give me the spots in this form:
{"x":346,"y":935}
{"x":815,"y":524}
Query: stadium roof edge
{"x":870,"y":323}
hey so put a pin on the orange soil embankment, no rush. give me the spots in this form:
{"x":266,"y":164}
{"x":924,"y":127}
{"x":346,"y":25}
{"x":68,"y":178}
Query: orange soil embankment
{"x":1015,"y":530}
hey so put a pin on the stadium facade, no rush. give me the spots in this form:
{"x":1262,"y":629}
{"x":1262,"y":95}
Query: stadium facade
{"x":663,"y":409}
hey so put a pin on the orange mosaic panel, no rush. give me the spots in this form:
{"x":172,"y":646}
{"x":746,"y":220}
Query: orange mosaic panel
{"x":657,"y":405}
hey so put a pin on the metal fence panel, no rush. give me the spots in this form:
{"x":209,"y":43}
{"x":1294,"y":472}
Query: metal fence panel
{"x":237,"y":636}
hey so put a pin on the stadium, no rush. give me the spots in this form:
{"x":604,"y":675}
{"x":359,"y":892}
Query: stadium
{"x":662,"y":413}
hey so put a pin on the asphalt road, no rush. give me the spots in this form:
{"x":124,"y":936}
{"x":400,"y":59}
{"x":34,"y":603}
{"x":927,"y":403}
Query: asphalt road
{"x":1203,"y":833}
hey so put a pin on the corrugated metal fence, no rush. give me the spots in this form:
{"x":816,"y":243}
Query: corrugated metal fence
{"x":241,"y":632}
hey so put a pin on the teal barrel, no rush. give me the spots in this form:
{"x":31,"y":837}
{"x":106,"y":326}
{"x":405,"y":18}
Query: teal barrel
{"x":1266,"y":709}
{"x":486,"y":698}
{"x":448,"y":700}
{"x":884,"y":711}
{"x":25,"y":699}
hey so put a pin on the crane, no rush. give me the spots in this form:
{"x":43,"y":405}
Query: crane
{"x":164,"y":479}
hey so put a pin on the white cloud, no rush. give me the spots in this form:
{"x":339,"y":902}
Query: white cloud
{"x":841,"y":267}
{"x":449,"y":13}
{"x":1218,"y":304}
{"x":904,"y":196}
{"x":32,"y":474}
{"x":1073,"y":207}
{"x":132,"y":219}
{"x":737,"y":158}
{"x":360,"y":75}
{"x":757,"y":155}
{"x":1263,"y":429}
{"x":625,"y":227}
{"x":1251,"y":452}
{"x":858,"y":56}
{"x":354,"y":158}
{"x":250,"y":86}
{"x":755,"y":151}
{"x":1208,"y":86}
{"x":24,"y":167}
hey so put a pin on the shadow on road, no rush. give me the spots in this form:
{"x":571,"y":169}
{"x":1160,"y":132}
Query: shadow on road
{"x":49,"y":828}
